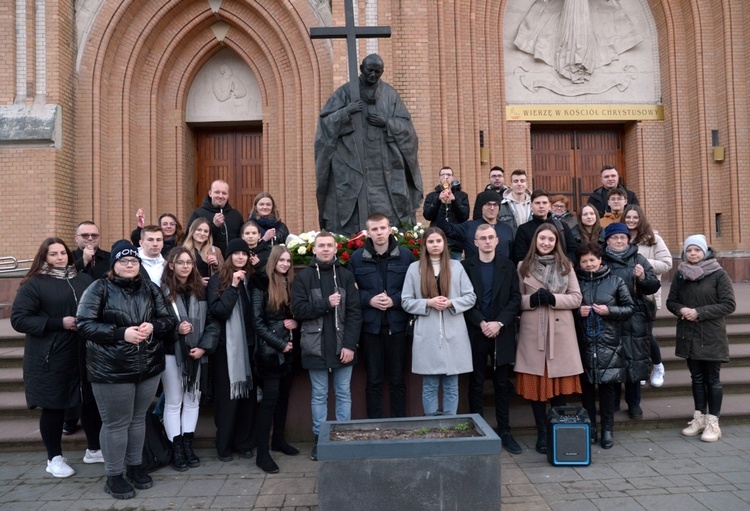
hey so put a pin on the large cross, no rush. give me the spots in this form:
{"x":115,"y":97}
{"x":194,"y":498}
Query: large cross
{"x":352,"y":32}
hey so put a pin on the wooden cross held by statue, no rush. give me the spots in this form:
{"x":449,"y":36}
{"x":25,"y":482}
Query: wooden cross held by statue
{"x":352,"y":32}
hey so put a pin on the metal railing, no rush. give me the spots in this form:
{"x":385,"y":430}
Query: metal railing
{"x":9,"y":264}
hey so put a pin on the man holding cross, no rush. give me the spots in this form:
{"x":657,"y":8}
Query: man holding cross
{"x":366,"y":155}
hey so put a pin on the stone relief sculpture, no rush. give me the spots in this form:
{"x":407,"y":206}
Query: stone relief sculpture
{"x":576,"y":38}
{"x":227,"y":86}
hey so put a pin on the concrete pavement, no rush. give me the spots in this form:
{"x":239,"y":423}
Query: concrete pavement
{"x":646,"y":470}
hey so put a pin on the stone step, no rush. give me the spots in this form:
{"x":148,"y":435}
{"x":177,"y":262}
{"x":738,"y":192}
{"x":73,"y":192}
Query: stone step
{"x":11,"y":357}
{"x":736,"y":334}
{"x":739,"y":356}
{"x":11,"y":379}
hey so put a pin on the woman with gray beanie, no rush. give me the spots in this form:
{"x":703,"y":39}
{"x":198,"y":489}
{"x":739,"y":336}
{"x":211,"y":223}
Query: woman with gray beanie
{"x":125,"y":320}
{"x":701,"y":297}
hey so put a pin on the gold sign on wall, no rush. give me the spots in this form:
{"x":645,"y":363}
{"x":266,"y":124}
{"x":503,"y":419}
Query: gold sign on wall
{"x":584,"y":112}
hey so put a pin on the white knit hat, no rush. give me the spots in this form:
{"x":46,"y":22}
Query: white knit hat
{"x":699,"y":240}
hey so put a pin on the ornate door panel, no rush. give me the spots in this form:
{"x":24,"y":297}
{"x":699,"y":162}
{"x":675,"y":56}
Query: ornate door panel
{"x":567,"y":160}
{"x":234,"y":155}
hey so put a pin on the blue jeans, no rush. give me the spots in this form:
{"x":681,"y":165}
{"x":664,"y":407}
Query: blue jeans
{"x":342,"y":377}
{"x":430,"y":384}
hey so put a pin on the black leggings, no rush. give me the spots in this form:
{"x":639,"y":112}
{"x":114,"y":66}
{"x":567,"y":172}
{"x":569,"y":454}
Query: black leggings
{"x":51,"y":426}
{"x":655,"y":351}
{"x":707,"y":391}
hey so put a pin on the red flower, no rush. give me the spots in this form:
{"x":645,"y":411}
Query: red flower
{"x":339,"y":245}
{"x":415,"y":252}
{"x":411,"y":242}
{"x":359,"y":243}
{"x":345,"y":256}
{"x":350,"y":244}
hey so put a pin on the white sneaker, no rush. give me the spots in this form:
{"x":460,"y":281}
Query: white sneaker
{"x":643,"y":382}
{"x":59,"y":467}
{"x":657,"y":375}
{"x":93,"y":456}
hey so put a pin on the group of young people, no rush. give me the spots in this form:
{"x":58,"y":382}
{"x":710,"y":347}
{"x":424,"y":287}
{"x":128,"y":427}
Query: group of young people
{"x":118,"y":323}
{"x":225,"y":315}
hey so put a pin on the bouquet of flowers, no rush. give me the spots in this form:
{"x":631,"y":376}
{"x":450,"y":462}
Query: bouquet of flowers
{"x":301,"y":245}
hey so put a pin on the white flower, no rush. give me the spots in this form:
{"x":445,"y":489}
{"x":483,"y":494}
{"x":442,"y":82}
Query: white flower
{"x":302,"y":250}
{"x":394,"y":230}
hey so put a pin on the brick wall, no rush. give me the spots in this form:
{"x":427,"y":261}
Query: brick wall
{"x":126,"y":144}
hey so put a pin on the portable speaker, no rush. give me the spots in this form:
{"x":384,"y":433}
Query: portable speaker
{"x":568,"y":436}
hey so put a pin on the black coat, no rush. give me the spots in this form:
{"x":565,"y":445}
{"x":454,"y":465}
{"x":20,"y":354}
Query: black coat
{"x":100,"y":265}
{"x":635,"y":332}
{"x":600,"y":337}
{"x":456,"y":212}
{"x":233,"y":221}
{"x":107,"y":309}
{"x":271,"y":338}
{"x":377,"y":274}
{"x":598,"y":199}
{"x":713,"y":298}
{"x":505,"y":305}
{"x":320,"y":340}
{"x":525,"y":237}
{"x":50,"y":359}
{"x":220,"y":307}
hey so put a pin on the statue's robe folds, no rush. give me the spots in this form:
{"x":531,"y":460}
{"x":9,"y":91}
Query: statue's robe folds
{"x":388,"y":169}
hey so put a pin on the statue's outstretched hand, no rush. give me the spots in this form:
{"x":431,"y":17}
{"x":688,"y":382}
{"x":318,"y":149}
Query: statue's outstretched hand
{"x":355,"y":106}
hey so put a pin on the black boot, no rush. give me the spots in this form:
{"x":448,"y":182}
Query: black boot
{"x":187,"y":443}
{"x":119,"y":488}
{"x":539,"y":408}
{"x":179,"y":463}
{"x":265,"y":462}
{"x":608,"y":439}
{"x":284,"y":447}
{"x":139,"y":477}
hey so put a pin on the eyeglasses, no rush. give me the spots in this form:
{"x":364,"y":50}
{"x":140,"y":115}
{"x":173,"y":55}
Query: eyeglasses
{"x":89,"y":235}
{"x":128,"y":261}
{"x":184,"y":263}
{"x":492,"y":205}
{"x":558,"y":206}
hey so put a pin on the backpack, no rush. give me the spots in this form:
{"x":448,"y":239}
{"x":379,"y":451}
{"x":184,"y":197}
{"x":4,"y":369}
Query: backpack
{"x":157,"y":449}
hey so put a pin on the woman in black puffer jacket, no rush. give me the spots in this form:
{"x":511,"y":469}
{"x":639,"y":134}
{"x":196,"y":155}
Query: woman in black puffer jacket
{"x":623,"y":260}
{"x":274,"y":327}
{"x":606,"y":303}
{"x":125,"y":321}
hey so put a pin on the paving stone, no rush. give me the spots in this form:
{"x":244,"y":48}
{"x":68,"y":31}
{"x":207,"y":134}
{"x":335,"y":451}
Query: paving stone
{"x":671,"y":503}
{"x":233,"y":502}
{"x":618,"y":503}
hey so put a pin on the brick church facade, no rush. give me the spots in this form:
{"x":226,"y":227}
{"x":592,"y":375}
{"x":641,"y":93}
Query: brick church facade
{"x":100,"y":109}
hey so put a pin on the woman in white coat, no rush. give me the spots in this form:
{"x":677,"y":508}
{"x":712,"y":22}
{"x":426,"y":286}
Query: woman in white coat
{"x":437,"y":291}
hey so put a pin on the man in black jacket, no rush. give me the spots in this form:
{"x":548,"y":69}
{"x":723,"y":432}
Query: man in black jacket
{"x":90,"y":258}
{"x":380,"y":269}
{"x":447,"y":203}
{"x":610,"y":181}
{"x":540,"y":213}
{"x":492,"y":328}
{"x":325,"y":301}
{"x":226,"y":222}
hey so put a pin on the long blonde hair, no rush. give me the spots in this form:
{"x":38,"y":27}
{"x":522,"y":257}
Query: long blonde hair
{"x":428,"y":284}
{"x":204,"y":250}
